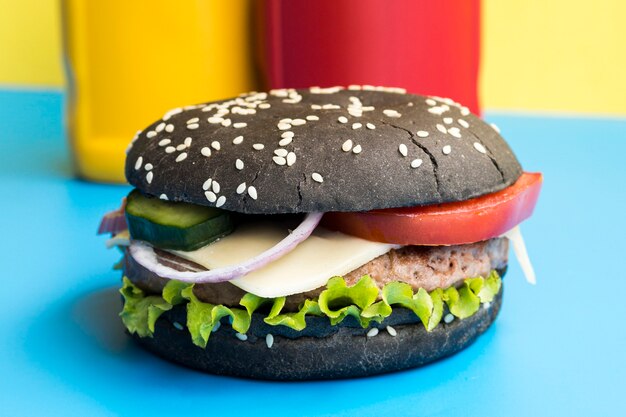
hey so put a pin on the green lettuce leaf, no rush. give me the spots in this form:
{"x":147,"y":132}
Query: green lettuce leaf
{"x":140,"y":313}
{"x":172,"y":292}
{"x":297,"y":320}
{"x":436,"y":296}
{"x":339,"y":301}
{"x":203,"y":317}
{"x":421,"y":303}
{"x":462,"y":302}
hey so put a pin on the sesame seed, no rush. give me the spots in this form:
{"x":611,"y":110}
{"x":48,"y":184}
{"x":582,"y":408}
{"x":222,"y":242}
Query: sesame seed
{"x":264,"y":106}
{"x":148,"y":167}
{"x":181,"y":147}
{"x":448,"y":120}
{"x":164,"y":142}
{"x":139,"y":162}
{"x":422,"y":133}
{"x":437,"y":110}
{"x":496,"y":128}
{"x":410,"y":104}
{"x":237,"y":140}
{"x":241,"y":188}
{"x":465,"y":111}
{"x":285,"y":142}
{"x":372,"y":332}
{"x":342,"y":119}
{"x":151,"y":134}
{"x":291,"y":158}
{"x":283,"y":126}
{"x":239,"y":164}
{"x":193,"y":121}
{"x":316,"y":107}
{"x":416,"y":163}
{"x":215,"y":186}
{"x":258,"y":146}
{"x":298,"y":122}
{"x":279,"y":160}
{"x":177,"y":325}
{"x":240,"y":125}
{"x":288,"y":134}
{"x":210,"y":195}
{"x":207,"y":184}
{"x":447,"y":149}
{"x":486,"y":305}
{"x":357,"y":149}
{"x":317,"y":177}
{"x":215,"y":120}
{"x":391,"y":113}
{"x":442,"y":128}
{"x":215,"y":145}
{"x":347,"y":146}
{"x":241,"y":337}
{"x":312,"y":118}
{"x":479,"y":147}
{"x":431,"y":102}
{"x":454,"y":131}
{"x":205,"y":151}
{"x":355,"y":112}
{"x":330,"y":107}
{"x":149,"y":177}
{"x":370,"y":126}
{"x":448,"y":318}
{"x":403,"y":149}
{"x":356,"y":126}
{"x":163,"y":197}
{"x":392,"y":331}
{"x":220,"y":201}
{"x":252,"y":192}
{"x":463,"y":123}
{"x":269,"y":340}
{"x":181,"y":157}
{"x":227,"y":122}
{"x":170,"y":149}
{"x":281,"y":152}
{"x":160,"y":127}
{"x":169,"y":128}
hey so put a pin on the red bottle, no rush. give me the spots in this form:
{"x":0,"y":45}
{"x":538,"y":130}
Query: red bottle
{"x":428,"y":47}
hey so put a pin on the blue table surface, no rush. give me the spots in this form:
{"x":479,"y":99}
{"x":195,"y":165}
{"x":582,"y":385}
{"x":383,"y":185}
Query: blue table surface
{"x":558,"y":348}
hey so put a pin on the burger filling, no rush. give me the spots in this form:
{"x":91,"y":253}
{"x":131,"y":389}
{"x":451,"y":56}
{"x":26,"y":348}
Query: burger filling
{"x":225,"y":267}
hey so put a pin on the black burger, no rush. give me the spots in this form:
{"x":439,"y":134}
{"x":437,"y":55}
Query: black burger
{"x":320,"y":233}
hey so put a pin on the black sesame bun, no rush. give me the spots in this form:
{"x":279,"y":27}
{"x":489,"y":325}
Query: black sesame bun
{"x":291,"y":151}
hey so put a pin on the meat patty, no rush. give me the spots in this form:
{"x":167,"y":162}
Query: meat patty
{"x":431,"y":267}
{"x":427,"y":267}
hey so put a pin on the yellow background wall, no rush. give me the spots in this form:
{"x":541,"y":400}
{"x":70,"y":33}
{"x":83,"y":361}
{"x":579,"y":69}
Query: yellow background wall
{"x":554,"y":55}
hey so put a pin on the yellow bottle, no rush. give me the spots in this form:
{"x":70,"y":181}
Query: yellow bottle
{"x":128,"y":62}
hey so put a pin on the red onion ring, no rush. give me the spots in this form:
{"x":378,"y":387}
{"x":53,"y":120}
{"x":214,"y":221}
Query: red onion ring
{"x":145,"y":256}
{"x":114,"y":221}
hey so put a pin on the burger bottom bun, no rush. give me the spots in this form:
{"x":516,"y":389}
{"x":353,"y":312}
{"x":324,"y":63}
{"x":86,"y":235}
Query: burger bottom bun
{"x":341,"y":351}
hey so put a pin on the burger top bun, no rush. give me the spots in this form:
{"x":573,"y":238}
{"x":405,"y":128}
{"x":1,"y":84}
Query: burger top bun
{"x":321,"y":149}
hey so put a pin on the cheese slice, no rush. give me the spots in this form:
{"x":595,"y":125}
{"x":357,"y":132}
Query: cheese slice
{"x":310,"y":265}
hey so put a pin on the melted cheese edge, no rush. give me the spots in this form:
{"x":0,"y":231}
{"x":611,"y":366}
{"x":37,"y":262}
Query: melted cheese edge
{"x":310,"y":265}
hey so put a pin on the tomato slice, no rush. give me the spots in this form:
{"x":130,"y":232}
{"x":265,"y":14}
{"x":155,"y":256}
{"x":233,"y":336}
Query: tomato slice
{"x":480,"y":218}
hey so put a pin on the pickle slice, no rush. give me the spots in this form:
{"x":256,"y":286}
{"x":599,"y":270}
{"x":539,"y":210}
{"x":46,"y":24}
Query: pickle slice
{"x":172,"y":225}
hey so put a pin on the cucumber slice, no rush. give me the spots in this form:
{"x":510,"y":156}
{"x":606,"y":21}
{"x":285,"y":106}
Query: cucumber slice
{"x":171,"y":225}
